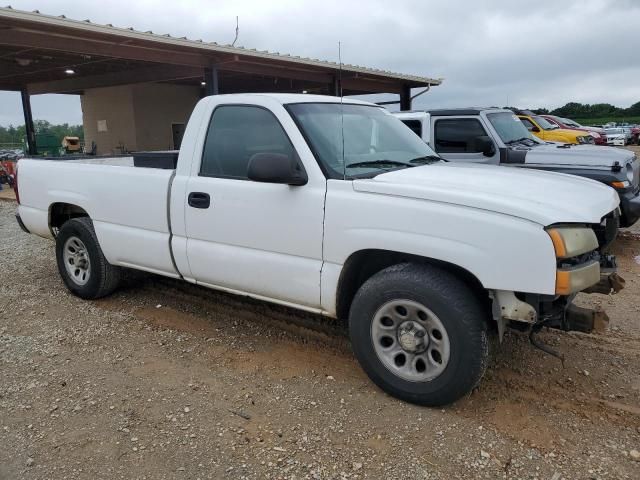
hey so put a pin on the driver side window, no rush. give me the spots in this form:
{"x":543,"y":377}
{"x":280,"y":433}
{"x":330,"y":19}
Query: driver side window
{"x":458,"y":135}
{"x":527,"y":123}
{"x":235,"y":134}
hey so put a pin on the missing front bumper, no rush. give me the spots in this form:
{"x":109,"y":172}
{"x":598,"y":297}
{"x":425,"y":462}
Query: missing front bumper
{"x":586,"y":320}
{"x":610,"y":283}
{"x":535,"y":311}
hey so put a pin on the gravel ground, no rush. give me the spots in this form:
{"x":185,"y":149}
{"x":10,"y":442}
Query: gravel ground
{"x":166,"y":380}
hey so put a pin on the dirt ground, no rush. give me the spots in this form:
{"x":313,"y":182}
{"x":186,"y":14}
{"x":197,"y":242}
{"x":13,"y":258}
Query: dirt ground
{"x":7,"y":193}
{"x":166,"y":380}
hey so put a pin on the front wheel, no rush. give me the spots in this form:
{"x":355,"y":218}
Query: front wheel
{"x":81,"y":263}
{"x":419,"y":333}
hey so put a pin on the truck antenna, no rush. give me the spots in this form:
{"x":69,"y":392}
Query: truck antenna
{"x":344,"y":167}
{"x":237,"y":30}
{"x":340,"y":68}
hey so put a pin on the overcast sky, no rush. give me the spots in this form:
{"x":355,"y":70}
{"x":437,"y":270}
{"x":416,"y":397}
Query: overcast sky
{"x":502,"y":52}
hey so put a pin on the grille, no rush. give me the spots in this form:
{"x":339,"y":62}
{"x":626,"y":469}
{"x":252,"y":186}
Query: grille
{"x":636,"y":172}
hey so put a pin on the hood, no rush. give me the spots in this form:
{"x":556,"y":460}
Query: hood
{"x":541,"y":197}
{"x":576,"y":155}
{"x":594,"y":129}
{"x":565,"y":133}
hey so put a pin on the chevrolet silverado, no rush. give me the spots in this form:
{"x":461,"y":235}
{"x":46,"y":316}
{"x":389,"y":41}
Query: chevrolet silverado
{"x":335,"y":207}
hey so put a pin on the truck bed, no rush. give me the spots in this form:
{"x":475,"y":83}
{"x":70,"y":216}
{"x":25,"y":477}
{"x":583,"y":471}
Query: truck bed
{"x":166,"y":159}
{"x":128,"y":206}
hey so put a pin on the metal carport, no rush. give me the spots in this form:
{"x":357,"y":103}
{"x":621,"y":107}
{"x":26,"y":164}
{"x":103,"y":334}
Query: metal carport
{"x":47,"y":54}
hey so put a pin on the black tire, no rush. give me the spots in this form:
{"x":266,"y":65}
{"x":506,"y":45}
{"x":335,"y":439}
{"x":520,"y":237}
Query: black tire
{"x":103,"y":278}
{"x":458,"y":309}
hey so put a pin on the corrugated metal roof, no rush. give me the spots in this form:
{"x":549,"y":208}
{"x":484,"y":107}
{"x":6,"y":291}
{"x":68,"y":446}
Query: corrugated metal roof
{"x":131,"y":33}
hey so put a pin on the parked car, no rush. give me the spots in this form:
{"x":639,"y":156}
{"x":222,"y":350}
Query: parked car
{"x":599,"y":137}
{"x":550,"y":132}
{"x":335,"y":207}
{"x":635,"y":134}
{"x":11,"y":154}
{"x":616,"y":136}
{"x":496,"y":136}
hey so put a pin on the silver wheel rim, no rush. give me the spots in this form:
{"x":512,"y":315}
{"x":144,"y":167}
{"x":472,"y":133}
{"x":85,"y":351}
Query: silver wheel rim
{"x":410,"y":340}
{"x":76,"y":260}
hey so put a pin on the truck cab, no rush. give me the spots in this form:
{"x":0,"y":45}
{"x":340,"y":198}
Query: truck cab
{"x":498,"y":137}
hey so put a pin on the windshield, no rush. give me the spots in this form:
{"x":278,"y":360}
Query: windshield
{"x":374,"y":140}
{"x":509,"y":128}
{"x":571,"y":123}
{"x":544,"y":123}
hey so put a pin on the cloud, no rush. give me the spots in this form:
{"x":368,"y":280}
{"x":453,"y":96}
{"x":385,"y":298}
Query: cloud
{"x":489,"y":52}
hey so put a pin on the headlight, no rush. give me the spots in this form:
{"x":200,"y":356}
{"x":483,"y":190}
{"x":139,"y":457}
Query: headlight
{"x":630,"y":172}
{"x":575,"y":279}
{"x":624,"y":184}
{"x":572,"y":241}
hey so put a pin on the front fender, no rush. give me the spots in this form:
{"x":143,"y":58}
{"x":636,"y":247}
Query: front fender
{"x":501,"y":251}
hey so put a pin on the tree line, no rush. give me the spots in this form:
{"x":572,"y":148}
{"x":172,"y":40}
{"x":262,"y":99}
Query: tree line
{"x":596,"y":110}
{"x":16,"y":134}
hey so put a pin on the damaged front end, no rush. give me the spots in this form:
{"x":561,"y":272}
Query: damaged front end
{"x":583,"y":265}
{"x":534,"y":312}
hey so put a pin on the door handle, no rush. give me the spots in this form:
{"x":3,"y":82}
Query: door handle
{"x":199,"y":200}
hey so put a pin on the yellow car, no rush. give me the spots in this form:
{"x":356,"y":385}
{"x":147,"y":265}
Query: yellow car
{"x":549,"y":132}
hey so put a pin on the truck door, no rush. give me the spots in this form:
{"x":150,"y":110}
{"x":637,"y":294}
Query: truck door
{"x":263,"y":239}
{"x":463,"y":140}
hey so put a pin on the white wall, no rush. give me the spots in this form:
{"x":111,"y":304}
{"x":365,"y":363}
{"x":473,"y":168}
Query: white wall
{"x":156,"y":106}
{"x":139,"y":117}
{"x":115,"y":106}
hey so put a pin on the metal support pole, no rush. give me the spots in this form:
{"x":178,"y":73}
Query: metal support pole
{"x":28,"y":123}
{"x":405,"y":98}
{"x":211,"y":81}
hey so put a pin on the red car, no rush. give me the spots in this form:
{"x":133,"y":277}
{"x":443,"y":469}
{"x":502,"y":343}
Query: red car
{"x":635,"y":135}
{"x":599,"y":137}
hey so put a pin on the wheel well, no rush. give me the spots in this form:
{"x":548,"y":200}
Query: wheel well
{"x":61,"y":212}
{"x":362,"y":265}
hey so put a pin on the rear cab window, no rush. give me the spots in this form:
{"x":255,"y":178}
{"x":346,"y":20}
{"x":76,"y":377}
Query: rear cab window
{"x":414,"y":125}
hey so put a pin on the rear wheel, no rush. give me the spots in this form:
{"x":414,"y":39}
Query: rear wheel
{"x":420,"y":334}
{"x":81,"y":263}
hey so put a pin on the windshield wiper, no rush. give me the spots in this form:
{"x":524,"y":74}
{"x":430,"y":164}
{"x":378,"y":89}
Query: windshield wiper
{"x":378,"y":163}
{"x":426,"y":159}
{"x":519,"y":140}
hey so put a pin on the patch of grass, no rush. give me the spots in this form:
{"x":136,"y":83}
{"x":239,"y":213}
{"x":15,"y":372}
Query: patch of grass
{"x":603,"y":120}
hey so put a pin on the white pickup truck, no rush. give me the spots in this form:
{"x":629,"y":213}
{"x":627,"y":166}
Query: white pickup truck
{"x":339,"y":209}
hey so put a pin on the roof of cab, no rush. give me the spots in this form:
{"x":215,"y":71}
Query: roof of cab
{"x":288,"y":98}
{"x":450,"y":112}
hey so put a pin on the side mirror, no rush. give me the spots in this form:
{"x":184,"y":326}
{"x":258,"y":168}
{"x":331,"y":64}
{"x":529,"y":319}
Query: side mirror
{"x":535,"y":129}
{"x":276,"y":168}
{"x":485,"y":145}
